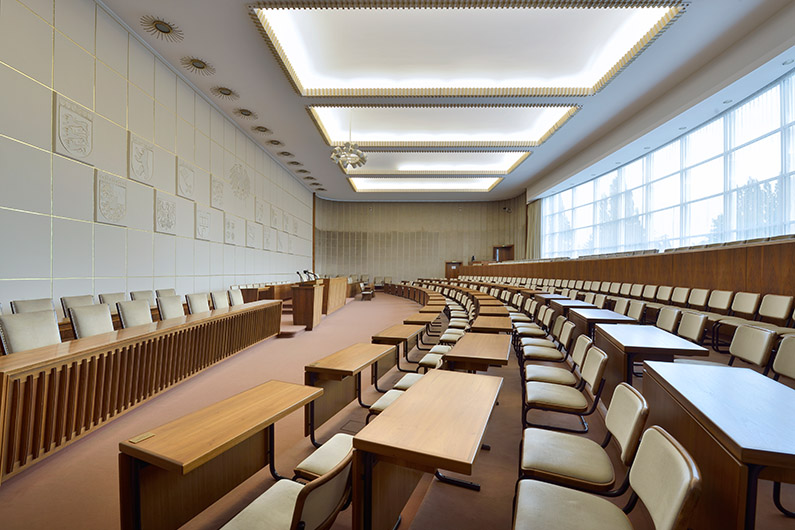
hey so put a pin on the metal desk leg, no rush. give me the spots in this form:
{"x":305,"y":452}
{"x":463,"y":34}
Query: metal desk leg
{"x":406,"y":355}
{"x":374,"y":377}
{"x":456,"y":482}
{"x":272,"y":453}
{"x":359,"y":390}
{"x":750,"y":495}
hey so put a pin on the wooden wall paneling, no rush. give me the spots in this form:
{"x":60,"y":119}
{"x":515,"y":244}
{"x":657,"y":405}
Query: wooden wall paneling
{"x":769,"y":269}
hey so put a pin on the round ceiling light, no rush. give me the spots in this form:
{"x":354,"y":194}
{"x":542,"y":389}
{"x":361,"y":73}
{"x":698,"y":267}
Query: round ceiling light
{"x":246,"y":114}
{"x":296,"y":163}
{"x":310,"y":178}
{"x":261,"y":130}
{"x":275,"y":142}
{"x":197,"y":66}
{"x":224,"y":93}
{"x":321,"y":189}
{"x":304,"y":171}
{"x":286,"y":153}
{"x":161,"y":29}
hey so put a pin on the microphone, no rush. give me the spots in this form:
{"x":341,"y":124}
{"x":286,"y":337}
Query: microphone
{"x":301,"y":278}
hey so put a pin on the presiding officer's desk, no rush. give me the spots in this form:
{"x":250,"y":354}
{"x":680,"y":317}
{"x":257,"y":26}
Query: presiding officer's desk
{"x":478,"y":351}
{"x":438,"y":423}
{"x":737,"y":425}
{"x":173,"y":472}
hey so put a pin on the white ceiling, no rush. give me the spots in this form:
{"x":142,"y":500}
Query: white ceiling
{"x":487,"y":50}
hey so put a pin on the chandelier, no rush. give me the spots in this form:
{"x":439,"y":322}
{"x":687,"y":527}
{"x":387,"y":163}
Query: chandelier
{"x":349,"y":155}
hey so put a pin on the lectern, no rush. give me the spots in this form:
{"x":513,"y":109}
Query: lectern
{"x":307,"y":304}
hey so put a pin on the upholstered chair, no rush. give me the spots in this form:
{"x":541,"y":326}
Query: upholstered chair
{"x":29,"y":306}
{"x":170,"y":307}
{"x":220,"y":299}
{"x":68,"y":302}
{"x":26,"y":331}
{"x":165,"y":292}
{"x":149,"y":296}
{"x":90,"y":320}
{"x":236,"y":297}
{"x":134,"y":313}
{"x":197,"y":303}
{"x":111,"y":299}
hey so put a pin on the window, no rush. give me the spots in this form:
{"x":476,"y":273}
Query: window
{"x":731,"y":179}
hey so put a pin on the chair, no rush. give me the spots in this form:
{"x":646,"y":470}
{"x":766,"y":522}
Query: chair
{"x":326,"y":457}
{"x":580,"y":463}
{"x":663,"y":476}
{"x":25,"y":331}
{"x":29,"y":306}
{"x":292,"y":505}
{"x":236,"y":297}
{"x":783,"y":364}
{"x":197,"y":303}
{"x":636,"y":309}
{"x":90,"y":320}
{"x":111,"y":299}
{"x":165,"y":292}
{"x":68,"y":302}
{"x":692,"y":326}
{"x":134,"y":313}
{"x":367,"y":294}
{"x":170,"y":307}
{"x":561,"y":376}
{"x":668,"y":318}
{"x":143,"y":295}
{"x":551,"y":354}
{"x":622,"y":304}
{"x":750,"y":344}
{"x":600,"y":300}
{"x":220,"y":299}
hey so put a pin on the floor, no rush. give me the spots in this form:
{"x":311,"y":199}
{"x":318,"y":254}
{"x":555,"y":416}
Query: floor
{"x":77,"y":488}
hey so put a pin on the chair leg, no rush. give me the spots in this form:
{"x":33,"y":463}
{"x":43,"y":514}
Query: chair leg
{"x":777,"y":500}
{"x":557,"y":428}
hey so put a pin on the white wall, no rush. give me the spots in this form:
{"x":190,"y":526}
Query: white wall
{"x":79,"y":92}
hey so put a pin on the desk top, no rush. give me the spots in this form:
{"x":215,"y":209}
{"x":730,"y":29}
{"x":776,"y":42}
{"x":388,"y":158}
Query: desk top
{"x":192,"y":440}
{"x":600,"y":315}
{"x":550,"y":296}
{"x":351,"y":360}
{"x":489,"y":302}
{"x":432,"y":308}
{"x":494,"y":324}
{"x":487,"y":347}
{"x":750,"y":414}
{"x":421,"y":318}
{"x":493,"y":311}
{"x":401,"y":331}
{"x":647,"y":339}
{"x":561,"y":303}
{"x":437,"y":423}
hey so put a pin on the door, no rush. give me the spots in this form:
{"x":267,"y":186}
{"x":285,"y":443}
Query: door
{"x":451,"y":269}
{"x":503,"y":253}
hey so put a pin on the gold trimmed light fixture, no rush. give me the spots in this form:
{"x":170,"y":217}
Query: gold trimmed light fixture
{"x":348,"y":155}
{"x":224,"y":93}
{"x":259,"y":129}
{"x":197,"y":66}
{"x":246,"y":114}
{"x":161,"y":29}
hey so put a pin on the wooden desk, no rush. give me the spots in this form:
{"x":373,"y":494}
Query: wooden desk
{"x":335,"y":291}
{"x":438,"y":423}
{"x":492,"y":325}
{"x":307,"y":305}
{"x":545,"y":297}
{"x":432,"y":308}
{"x":561,"y":306}
{"x":173,"y":472}
{"x":585,"y":319}
{"x":736,"y":424}
{"x":57,"y":394}
{"x":406,"y":334}
{"x":423,"y":319}
{"x":340,"y":376}
{"x":490,"y":302}
{"x":625,"y":345}
{"x":493,"y":311}
{"x":478,"y":351}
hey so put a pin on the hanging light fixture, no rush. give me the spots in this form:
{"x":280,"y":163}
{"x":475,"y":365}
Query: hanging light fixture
{"x":348,"y":155}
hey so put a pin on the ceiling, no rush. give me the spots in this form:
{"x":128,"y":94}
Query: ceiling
{"x":437,"y":97}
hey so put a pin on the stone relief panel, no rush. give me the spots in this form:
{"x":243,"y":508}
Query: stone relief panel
{"x":165,"y":214}
{"x":217,"y":194}
{"x":230,"y":230}
{"x":110,"y":201}
{"x":74,"y":129}
{"x":290,"y":244}
{"x":141,"y":155}
{"x":267,"y":239}
{"x":259,"y":211}
{"x":295,"y":225}
{"x":239,"y":181}
{"x":203,"y":222}
{"x":285,"y":221}
{"x":253,"y":235}
{"x":186,"y":180}
{"x":281,"y":245}
{"x":276,"y":217}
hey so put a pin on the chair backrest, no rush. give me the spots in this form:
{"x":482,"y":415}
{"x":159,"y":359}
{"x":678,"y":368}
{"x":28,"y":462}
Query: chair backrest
{"x":679,"y":296}
{"x":720,"y":300}
{"x":626,"y":288}
{"x":198,"y":303}
{"x":784,"y":363}
{"x":68,"y":302}
{"x":636,"y":308}
{"x":581,"y":346}
{"x":111,"y":299}
{"x":668,"y":318}
{"x":170,"y":307}
{"x":605,"y":287}
{"x":698,"y":298}
{"x":566,"y":334}
{"x":134,"y":313}
{"x":236,"y":297}
{"x":593,"y":368}
{"x":752,"y":345}
{"x":90,"y":320}
{"x":25,"y":331}
{"x":220,"y":299}
{"x":578,"y":284}
{"x":589,"y":298}
{"x":626,"y":418}
{"x":143,"y":295}
{"x":666,"y":479}
{"x":664,"y":293}
{"x":622,"y":304}
{"x":776,"y":307}
{"x":165,"y":292}
{"x":692,"y":326}
{"x":29,"y":306}
{"x":637,"y":290}
{"x":599,"y":300}
{"x":745,"y":303}
{"x":320,"y":501}
{"x":586,"y":285}
{"x":615,"y":288}
{"x":649,"y":292}
{"x":558,"y":327}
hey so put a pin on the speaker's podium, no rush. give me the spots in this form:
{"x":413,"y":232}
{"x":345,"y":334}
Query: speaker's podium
{"x":308,"y":303}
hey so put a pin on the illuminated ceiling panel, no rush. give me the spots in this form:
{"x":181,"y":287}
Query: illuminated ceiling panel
{"x":347,"y":49}
{"x":410,"y":185}
{"x":439,"y":163}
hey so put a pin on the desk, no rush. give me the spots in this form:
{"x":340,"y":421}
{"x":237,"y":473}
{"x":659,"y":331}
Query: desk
{"x":736,"y":424}
{"x":492,"y":325}
{"x":478,"y":351}
{"x":585,"y":319}
{"x":424,"y":319}
{"x":335,"y":291}
{"x":173,"y":472}
{"x":340,"y":376}
{"x":438,"y":423}
{"x":562,"y":306}
{"x":432,"y":308}
{"x":625,"y":345}
{"x":493,"y":311}
{"x":407,"y":335}
{"x":545,"y":297}
{"x":490,"y":301}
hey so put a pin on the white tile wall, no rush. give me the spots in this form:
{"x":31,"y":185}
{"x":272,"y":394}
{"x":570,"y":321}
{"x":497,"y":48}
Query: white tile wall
{"x":76,"y":49}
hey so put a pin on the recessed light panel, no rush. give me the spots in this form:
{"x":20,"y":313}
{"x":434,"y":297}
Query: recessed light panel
{"x":443,"y":48}
{"x":422,"y":185}
{"x":439,"y":163}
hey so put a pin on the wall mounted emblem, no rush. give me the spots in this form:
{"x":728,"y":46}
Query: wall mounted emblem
{"x":110,"y":201}
{"x":141,"y":156}
{"x":186,"y":180}
{"x":230,"y":227}
{"x":165,"y":214}
{"x":204,"y":218}
{"x":259,"y":211}
{"x":74,"y":129}
{"x":240,"y":181}
{"x":276,"y":216}
{"x":217,"y":194}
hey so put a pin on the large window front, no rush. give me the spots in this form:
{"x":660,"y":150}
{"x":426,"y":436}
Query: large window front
{"x":731,"y":179}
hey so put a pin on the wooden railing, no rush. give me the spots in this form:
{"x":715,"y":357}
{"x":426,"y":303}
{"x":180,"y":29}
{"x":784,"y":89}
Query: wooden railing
{"x":52,"y":396}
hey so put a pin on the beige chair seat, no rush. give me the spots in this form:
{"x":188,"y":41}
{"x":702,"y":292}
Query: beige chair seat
{"x":712,"y":317}
{"x":429,"y":360}
{"x":738,"y":321}
{"x":534,"y":341}
{"x":552,"y":396}
{"x":549,"y":374}
{"x":531,"y":332}
{"x":407,"y":380}
{"x":557,"y":456}
{"x":459,"y":314}
{"x":520,"y":317}
{"x":458,"y":324}
{"x":384,"y":401}
{"x":326,"y":457}
{"x":440,"y":348}
{"x":450,"y":337}
{"x":542,"y":353}
{"x":273,"y":509}
{"x":543,"y":506}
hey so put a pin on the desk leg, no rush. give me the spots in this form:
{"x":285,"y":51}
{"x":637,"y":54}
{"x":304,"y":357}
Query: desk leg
{"x":129,"y":492}
{"x":272,"y":453}
{"x":312,"y":439}
{"x":750,"y":495}
{"x":405,"y":354}
{"x":457,"y":482}
{"x":420,"y":341}
{"x":374,"y":377}
{"x":359,"y":390}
